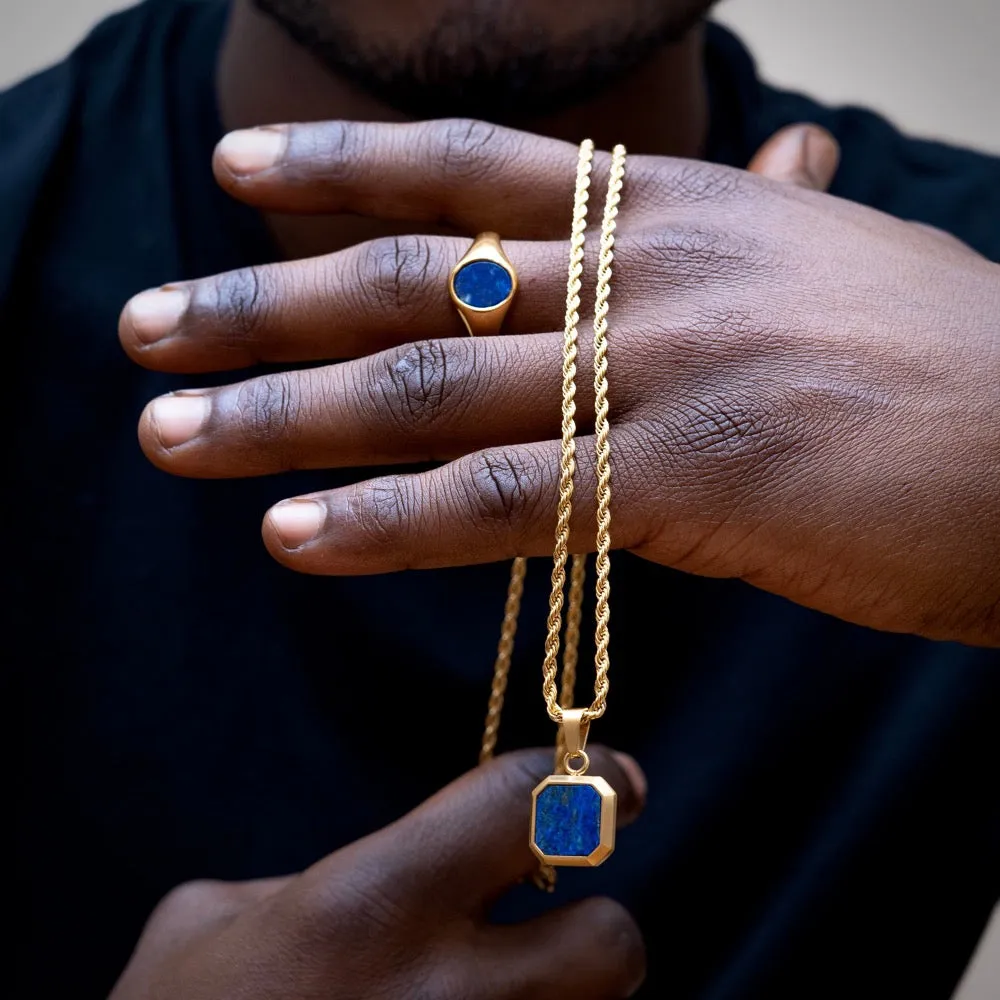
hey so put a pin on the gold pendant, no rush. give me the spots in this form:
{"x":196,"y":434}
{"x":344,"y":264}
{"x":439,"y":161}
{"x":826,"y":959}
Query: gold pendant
{"x":573,"y":814}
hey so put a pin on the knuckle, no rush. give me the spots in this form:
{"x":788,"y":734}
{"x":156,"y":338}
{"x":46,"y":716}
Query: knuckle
{"x":723,"y":427}
{"x":382,"y":510}
{"x":688,"y":254}
{"x":470,"y":149}
{"x":730,"y":335}
{"x":732,"y":435}
{"x":504,"y":488}
{"x":188,"y":905}
{"x":740,"y":436}
{"x":411,"y":383}
{"x":243,"y":303}
{"x":393,"y":272}
{"x":268,"y":407}
{"x":191,"y":896}
{"x":694,"y":182}
{"x":734,"y":332}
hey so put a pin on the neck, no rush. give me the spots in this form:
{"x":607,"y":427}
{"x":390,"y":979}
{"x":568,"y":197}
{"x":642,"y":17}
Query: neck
{"x":265,"y":78}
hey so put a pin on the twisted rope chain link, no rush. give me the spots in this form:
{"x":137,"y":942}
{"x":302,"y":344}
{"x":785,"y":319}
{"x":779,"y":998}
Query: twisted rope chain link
{"x":571,"y":640}
{"x":557,"y":700}
{"x":567,"y":458}
{"x":602,"y":660}
{"x":505,"y":649}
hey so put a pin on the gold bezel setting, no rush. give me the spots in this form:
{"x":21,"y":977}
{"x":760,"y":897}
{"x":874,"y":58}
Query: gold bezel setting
{"x":609,"y":808}
{"x":484,"y":321}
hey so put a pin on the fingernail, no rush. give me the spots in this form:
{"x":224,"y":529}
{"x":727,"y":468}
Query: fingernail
{"x":252,"y":150}
{"x":297,"y":521}
{"x":178,"y":419}
{"x":156,"y":313}
{"x":635,"y":774}
{"x":820,"y":155}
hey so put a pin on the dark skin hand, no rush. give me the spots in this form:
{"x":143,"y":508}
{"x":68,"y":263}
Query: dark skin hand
{"x":805,"y":392}
{"x":402,"y":913}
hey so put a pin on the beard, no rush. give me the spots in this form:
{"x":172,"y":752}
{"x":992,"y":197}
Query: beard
{"x":501,"y":61}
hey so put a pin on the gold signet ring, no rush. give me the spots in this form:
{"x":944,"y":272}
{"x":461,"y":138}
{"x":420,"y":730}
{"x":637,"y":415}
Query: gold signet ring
{"x":483,"y":285}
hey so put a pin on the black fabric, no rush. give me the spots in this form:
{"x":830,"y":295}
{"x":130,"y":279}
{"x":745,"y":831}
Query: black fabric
{"x":823,"y":817}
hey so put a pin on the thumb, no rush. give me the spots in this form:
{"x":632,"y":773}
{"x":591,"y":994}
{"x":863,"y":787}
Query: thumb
{"x":469,"y":842}
{"x":804,"y":155}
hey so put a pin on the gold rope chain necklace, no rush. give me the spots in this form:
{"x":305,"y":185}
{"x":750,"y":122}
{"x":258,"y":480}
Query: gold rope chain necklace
{"x":573,"y":815}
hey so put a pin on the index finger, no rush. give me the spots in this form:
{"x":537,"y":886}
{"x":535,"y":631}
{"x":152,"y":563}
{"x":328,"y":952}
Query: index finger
{"x":466,"y":175}
{"x":467,"y":844}
{"x":463,"y":175}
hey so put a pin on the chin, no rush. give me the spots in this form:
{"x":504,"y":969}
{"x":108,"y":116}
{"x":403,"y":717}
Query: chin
{"x":501,"y":60}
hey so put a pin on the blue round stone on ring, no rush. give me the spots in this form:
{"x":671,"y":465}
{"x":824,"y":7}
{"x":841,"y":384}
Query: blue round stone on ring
{"x":483,"y":284}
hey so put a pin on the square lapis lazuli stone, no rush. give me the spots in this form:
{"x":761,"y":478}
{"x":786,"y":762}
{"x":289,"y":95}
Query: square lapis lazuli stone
{"x":483,"y":284}
{"x":568,"y":820}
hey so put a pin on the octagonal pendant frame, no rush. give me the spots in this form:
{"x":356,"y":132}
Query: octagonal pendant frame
{"x":609,"y":809}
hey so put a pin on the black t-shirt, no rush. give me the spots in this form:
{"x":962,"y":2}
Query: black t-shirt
{"x":824,"y":811}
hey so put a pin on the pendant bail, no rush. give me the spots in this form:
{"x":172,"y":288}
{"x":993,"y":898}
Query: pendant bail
{"x":576,"y":729}
{"x":573,"y":740}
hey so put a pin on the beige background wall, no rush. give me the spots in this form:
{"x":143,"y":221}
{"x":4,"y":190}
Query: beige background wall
{"x":932,"y":65}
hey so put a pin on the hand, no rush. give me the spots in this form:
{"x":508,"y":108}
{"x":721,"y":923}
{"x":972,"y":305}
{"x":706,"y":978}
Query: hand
{"x":401,"y":913}
{"x":805,"y":392}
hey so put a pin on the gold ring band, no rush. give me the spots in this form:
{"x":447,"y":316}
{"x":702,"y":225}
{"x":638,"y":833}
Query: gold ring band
{"x":483,"y":285}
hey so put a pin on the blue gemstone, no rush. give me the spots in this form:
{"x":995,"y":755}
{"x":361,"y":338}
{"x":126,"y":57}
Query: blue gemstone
{"x":483,"y":284}
{"x":568,"y":820}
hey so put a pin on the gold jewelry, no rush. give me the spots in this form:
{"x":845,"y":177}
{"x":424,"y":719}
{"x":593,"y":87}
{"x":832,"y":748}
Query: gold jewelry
{"x":483,"y":285}
{"x":573,"y":815}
